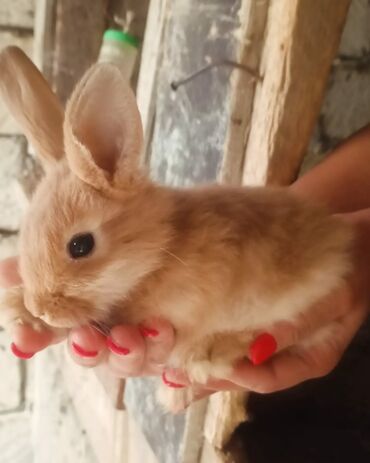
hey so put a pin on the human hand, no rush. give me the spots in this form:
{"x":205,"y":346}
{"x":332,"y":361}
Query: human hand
{"x":127,"y":351}
{"x":133,"y":351}
{"x":271,"y":366}
{"x":282,"y":368}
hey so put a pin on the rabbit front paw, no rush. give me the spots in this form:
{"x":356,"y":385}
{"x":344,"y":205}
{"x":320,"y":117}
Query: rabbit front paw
{"x":13,"y":311}
{"x":201,"y":369}
{"x":175,"y":400}
{"x":216,"y":357}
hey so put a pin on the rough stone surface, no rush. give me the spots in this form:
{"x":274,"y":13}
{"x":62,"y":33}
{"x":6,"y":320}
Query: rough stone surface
{"x":37,"y":424}
{"x":346,"y":106}
{"x":13,"y":153}
{"x":356,"y":35}
{"x":15,"y":442}
{"x":189,"y":133}
{"x":16,"y":399}
{"x":25,"y":42}
{"x":58,"y":436}
{"x":8,"y":246}
{"x":140,"y":400}
{"x":17,"y":14}
{"x":11,"y":381}
{"x":16,"y":385}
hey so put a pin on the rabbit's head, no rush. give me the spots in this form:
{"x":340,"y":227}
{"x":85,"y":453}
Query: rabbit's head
{"x":96,"y":225}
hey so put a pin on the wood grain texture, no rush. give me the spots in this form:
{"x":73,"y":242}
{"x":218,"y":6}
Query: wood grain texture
{"x":44,"y":36}
{"x":78,"y":36}
{"x":269,"y":128}
{"x":253,"y":17}
{"x":226,"y":410}
{"x":94,"y":407}
{"x":150,"y":58}
{"x":301,"y":41}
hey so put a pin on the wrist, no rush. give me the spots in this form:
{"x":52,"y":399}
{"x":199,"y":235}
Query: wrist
{"x":341,"y":181}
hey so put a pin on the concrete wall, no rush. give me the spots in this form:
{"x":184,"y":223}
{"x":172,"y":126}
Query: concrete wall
{"x":37,"y":421}
{"x":346,"y":107}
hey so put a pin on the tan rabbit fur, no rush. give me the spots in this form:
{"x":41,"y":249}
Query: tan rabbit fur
{"x":212,"y":260}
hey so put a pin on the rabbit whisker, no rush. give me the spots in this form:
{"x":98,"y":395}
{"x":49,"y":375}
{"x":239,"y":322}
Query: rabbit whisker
{"x":174,"y":256}
{"x":100,"y":327}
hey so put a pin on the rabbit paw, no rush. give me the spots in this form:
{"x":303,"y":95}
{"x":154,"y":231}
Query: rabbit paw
{"x":217,"y":357}
{"x":175,"y":400}
{"x":200,"y":370}
{"x":13,"y":311}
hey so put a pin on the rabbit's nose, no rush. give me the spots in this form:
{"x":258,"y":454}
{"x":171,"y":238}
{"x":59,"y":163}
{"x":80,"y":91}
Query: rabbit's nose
{"x":34,"y":304}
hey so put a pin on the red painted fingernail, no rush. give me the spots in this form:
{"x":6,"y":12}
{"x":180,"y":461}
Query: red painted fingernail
{"x":262,"y":348}
{"x":116,"y":349}
{"x":170,"y":383}
{"x":148,"y":332}
{"x":20,"y":354}
{"x":82,"y":352}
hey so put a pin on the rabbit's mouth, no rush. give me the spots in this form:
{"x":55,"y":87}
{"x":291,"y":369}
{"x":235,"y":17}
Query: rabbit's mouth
{"x":61,"y":322}
{"x":113,"y":316}
{"x":58,"y":310}
{"x":101,"y":327}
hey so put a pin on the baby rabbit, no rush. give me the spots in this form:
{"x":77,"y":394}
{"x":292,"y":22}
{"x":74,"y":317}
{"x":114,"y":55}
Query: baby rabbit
{"x":103,"y":244}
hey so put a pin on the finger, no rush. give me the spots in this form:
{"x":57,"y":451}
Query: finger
{"x":295,"y":366}
{"x":27,"y":340}
{"x":215,"y":385}
{"x":285,"y":334}
{"x":9,"y":275}
{"x":86,"y":346}
{"x":126,"y":351}
{"x":177,"y":378}
{"x":159,"y":338}
{"x":174,"y":378}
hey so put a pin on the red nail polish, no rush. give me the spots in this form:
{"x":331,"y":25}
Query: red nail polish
{"x":112,"y":346}
{"x":170,"y":383}
{"x":148,"y":332}
{"x":262,"y":348}
{"x":20,"y":354}
{"x":84,"y":353}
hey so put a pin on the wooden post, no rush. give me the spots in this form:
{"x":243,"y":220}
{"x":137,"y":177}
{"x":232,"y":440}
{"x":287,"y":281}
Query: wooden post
{"x":78,"y":35}
{"x":270,"y":125}
{"x":301,"y":41}
{"x":150,"y":58}
{"x":243,"y":85}
{"x":44,"y":36}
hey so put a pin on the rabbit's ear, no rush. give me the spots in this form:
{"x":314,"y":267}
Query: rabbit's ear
{"x":34,"y":106}
{"x":102,"y":130}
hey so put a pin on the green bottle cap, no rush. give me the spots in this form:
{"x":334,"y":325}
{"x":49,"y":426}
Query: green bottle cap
{"x":120,"y":36}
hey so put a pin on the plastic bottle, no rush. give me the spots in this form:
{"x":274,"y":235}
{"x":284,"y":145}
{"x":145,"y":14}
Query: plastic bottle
{"x":119,"y":48}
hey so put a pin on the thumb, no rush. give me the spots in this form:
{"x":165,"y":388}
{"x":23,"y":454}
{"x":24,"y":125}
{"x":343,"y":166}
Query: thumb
{"x":9,"y":274}
{"x":285,"y":334}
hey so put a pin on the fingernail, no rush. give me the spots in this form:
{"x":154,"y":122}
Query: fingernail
{"x":20,"y":354}
{"x":262,"y":348}
{"x":170,"y":383}
{"x":148,"y":332}
{"x":112,"y":346}
{"x":84,"y":353}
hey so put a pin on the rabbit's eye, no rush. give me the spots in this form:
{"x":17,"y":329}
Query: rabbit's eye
{"x":81,"y":245}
